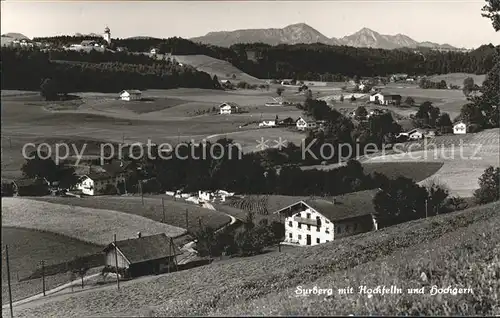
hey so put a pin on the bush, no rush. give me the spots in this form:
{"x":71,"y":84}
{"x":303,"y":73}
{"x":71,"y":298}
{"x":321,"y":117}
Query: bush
{"x":7,"y":189}
{"x":474,"y":128}
{"x":489,"y":186}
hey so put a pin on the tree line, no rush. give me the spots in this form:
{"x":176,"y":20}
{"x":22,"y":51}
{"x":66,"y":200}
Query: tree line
{"x":26,"y":69}
{"x":316,"y":61}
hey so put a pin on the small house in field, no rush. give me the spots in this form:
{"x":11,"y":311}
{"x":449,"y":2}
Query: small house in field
{"x":317,"y":221}
{"x":129,"y":95}
{"x":30,"y":187}
{"x":304,"y":124}
{"x":460,"y":128}
{"x":268,"y":123}
{"x":228,"y":108}
{"x":143,"y":255}
{"x":385,"y":99}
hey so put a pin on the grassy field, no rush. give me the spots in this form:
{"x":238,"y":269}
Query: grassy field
{"x":464,"y":157}
{"x":175,"y":211}
{"x":417,"y":171}
{"x":261,"y":284}
{"x":458,"y":78}
{"x":93,"y":225}
{"x":27,"y":248}
{"x":217,"y":67}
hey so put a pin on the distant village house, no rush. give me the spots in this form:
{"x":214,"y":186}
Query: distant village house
{"x":228,"y":108}
{"x":129,"y":95}
{"x":385,"y":99}
{"x":460,"y":128}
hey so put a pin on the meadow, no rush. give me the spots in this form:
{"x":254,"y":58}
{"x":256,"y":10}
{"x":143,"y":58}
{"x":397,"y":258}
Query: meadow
{"x":152,"y":210}
{"x":465,"y":158}
{"x":27,"y":248}
{"x":91,"y":225}
{"x":245,"y":286}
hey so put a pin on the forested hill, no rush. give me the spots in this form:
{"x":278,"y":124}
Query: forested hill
{"x":95,"y":71}
{"x":310,"y":61}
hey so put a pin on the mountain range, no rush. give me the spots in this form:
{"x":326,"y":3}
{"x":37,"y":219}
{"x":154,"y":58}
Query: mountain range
{"x":303,"y":33}
{"x":295,"y":34}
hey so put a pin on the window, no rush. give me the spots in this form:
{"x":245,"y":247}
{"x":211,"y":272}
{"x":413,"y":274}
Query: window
{"x":308,"y":227}
{"x":327,"y":231}
{"x":290,"y":224}
{"x":308,"y":215}
{"x":290,"y":235}
{"x":299,"y":226}
{"x":318,"y":240}
{"x":300,"y":237}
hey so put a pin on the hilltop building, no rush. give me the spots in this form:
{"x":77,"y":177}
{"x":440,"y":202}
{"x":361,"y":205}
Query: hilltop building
{"x":107,"y":35}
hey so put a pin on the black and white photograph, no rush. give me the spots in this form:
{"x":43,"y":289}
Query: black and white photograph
{"x":250,"y":158}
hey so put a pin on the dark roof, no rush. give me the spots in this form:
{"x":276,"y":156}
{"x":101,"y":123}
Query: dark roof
{"x":99,"y":176}
{"x":131,"y":91}
{"x":392,"y":95}
{"x":232,"y":104}
{"x":346,"y":206}
{"x":116,"y":167}
{"x":146,"y":248}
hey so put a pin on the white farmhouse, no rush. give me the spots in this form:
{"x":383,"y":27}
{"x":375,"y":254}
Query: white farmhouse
{"x":228,"y":108}
{"x":129,"y":95}
{"x":460,"y":128}
{"x":97,"y":182}
{"x":317,"y":221}
{"x":385,"y":99}
{"x":303,"y":124}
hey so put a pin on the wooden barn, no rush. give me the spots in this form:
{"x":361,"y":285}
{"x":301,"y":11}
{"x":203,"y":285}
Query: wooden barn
{"x":143,"y":255}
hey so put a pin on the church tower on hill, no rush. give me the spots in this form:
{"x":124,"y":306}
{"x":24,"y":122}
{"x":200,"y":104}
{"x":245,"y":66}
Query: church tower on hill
{"x":107,"y":35}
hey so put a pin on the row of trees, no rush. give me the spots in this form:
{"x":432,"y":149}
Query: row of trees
{"x":25,"y":69}
{"x":249,"y":239}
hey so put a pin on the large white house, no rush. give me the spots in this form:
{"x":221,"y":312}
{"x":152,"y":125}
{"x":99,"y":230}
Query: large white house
{"x":98,"y":182}
{"x":129,"y":95}
{"x":303,"y":124}
{"x":460,"y":128}
{"x":317,"y":221}
{"x":228,"y":108}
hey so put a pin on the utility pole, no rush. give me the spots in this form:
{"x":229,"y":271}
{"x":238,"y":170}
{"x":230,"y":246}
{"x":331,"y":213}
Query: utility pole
{"x":187,"y":222}
{"x":43,"y":276}
{"x":139,"y":185}
{"x":163,"y":209}
{"x":8,"y":279}
{"x":116,"y":264}
{"x":123,"y":138}
{"x":426,"y":208}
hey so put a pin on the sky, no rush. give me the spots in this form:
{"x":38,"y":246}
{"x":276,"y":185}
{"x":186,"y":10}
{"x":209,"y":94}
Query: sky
{"x":455,"y":22}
